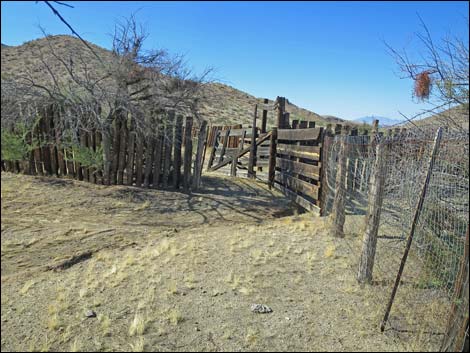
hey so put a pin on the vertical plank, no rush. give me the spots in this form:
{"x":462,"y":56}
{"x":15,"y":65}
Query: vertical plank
{"x":116,"y":149}
{"x":199,"y":151}
{"x":215,"y":145}
{"x":149,"y":148}
{"x":188,"y":151}
{"x":205,"y":147}
{"x":46,"y":152}
{"x":157,"y":156}
{"x":98,"y":146}
{"x":224,"y":145}
{"x":233,"y":171}
{"x":37,"y":150}
{"x":139,"y":155}
{"x":177,"y":152}
{"x":91,"y":146}
{"x":169,"y":134}
{"x":130,"y":157}
{"x":252,"y":158}
{"x":60,"y":149}
{"x":84,"y":144}
{"x":123,"y":131}
{"x":51,"y":141}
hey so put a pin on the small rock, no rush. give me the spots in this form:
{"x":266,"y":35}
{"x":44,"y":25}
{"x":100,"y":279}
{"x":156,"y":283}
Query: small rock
{"x":261,"y":309}
{"x":287,"y":318}
{"x":90,"y":313}
{"x":197,"y":329}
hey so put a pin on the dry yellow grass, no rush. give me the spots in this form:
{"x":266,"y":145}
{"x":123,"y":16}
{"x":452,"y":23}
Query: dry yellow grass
{"x":154,"y":289}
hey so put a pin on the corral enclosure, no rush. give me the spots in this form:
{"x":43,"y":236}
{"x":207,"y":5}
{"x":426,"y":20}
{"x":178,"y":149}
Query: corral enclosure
{"x":367,"y":186}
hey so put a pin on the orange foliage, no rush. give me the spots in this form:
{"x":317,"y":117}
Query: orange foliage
{"x":422,"y":85}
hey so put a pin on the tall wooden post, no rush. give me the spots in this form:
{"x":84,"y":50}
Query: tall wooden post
{"x":198,"y":161}
{"x":272,"y":157}
{"x":456,"y":337}
{"x":338,"y":216}
{"x":281,"y":108}
{"x":372,"y":141}
{"x":188,"y":152}
{"x":177,"y":152}
{"x":369,"y":243}
{"x":215,"y":145}
{"x":252,"y":160}
{"x":264,"y":120}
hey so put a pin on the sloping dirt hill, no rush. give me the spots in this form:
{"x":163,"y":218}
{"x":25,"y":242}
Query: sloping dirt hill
{"x":166,"y":271}
{"x":226,"y":105}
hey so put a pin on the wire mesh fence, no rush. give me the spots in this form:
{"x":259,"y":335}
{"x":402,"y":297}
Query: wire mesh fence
{"x":384,"y":190}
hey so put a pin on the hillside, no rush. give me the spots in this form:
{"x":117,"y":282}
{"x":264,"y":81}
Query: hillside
{"x":453,"y":118}
{"x":227,"y":105}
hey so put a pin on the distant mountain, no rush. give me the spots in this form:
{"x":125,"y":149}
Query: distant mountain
{"x":383,"y":121}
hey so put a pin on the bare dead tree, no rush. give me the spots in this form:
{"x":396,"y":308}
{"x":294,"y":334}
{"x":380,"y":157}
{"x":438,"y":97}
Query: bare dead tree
{"x":440,"y":75}
{"x":130,"y":84}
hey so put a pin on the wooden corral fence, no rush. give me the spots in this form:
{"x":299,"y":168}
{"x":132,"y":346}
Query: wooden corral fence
{"x":163,"y":160}
{"x":289,"y":157}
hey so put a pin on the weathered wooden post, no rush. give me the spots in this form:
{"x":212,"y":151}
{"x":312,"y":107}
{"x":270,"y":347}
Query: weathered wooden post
{"x":199,"y":152}
{"x":419,"y":208}
{"x":130,"y":158}
{"x":233,"y":171}
{"x":281,"y":108}
{"x":372,"y":140}
{"x":338,"y":216}
{"x":122,"y":151}
{"x":215,"y":145}
{"x":456,"y":337}
{"x":139,"y":157}
{"x":157,"y":156}
{"x":272,"y":157}
{"x":188,"y":152}
{"x":169,"y":136}
{"x":177,"y":152}
{"x":369,"y":243}
{"x":252,"y":160}
{"x":149,"y":143}
{"x":264,"y":120}
{"x":326,"y":139}
{"x":224,"y":145}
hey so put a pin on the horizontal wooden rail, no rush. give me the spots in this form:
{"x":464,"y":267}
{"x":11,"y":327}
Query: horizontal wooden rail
{"x":241,"y":153}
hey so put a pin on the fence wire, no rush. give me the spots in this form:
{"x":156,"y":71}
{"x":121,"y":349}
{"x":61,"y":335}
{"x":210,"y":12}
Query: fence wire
{"x":426,"y":299}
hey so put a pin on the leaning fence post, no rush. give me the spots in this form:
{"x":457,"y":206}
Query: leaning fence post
{"x":199,"y":151}
{"x":338,"y":216}
{"x":369,"y":243}
{"x":188,"y":152}
{"x":418,"y":210}
{"x":272,"y":157}
{"x":252,"y":160}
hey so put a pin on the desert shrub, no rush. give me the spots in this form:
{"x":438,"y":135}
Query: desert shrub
{"x":15,"y":146}
{"x":86,"y":156}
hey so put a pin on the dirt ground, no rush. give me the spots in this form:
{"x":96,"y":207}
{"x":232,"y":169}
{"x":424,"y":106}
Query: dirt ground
{"x":167,"y":271}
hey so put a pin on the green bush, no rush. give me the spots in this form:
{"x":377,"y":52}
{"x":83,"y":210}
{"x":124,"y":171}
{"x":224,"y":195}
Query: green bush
{"x":14,"y":144}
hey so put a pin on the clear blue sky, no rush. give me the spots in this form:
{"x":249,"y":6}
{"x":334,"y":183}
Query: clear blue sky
{"x":325,"y":56}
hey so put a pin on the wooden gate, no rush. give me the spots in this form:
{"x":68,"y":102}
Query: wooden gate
{"x":297,"y":171}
